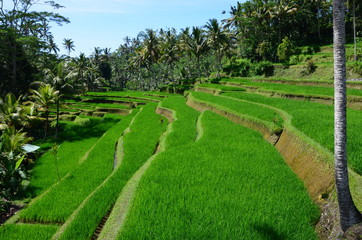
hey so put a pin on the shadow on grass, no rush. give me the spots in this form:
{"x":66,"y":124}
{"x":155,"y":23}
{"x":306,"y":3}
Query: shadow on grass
{"x":268,"y":232}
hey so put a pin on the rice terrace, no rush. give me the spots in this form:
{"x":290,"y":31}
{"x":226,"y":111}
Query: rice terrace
{"x":240,"y":128}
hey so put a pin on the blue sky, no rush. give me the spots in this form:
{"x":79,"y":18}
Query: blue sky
{"x":105,"y":23}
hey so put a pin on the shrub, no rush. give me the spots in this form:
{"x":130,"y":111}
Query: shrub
{"x":262,"y":68}
{"x":82,"y":121}
{"x":309,"y":68}
{"x":285,"y":50}
{"x":238,"y":68}
{"x":357,"y":68}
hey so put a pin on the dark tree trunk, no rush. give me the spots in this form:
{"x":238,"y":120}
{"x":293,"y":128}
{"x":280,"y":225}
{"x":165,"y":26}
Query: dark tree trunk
{"x":349,"y":214}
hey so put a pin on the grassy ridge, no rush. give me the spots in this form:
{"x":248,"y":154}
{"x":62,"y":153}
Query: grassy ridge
{"x":75,"y":142}
{"x":184,"y":128}
{"x":62,"y":200}
{"x":204,"y":191}
{"x":295,"y":89}
{"x":246,"y":108}
{"x":317,"y":121}
{"x":139,"y":145}
{"x":26,"y":231}
{"x":221,"y":87}
{"x":154,"y":95}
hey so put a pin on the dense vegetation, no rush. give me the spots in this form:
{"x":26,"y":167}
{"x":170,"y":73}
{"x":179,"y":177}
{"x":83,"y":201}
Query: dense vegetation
{"x":95,"y":132}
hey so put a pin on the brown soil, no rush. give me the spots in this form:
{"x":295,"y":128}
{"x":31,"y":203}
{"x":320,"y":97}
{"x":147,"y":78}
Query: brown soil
{"x":165,"y":112}
{"x":353,"y":233}
{"x":11,"y":212}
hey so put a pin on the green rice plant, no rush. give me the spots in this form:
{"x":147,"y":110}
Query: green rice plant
{"x":74,"y":141}
{"x":149,"y":95}
{"x":138,"y":145}
{"x":184,"y":127}
{"x":297,"y":89}
{"x":272,"y":119}
{"x":27,"y":231}
{"x":317,"y":121}
{"x":223,"y":186}
{"x":58,"y":204}
{"x":221,"y":87}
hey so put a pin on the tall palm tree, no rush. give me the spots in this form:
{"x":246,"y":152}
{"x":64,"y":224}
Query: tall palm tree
{"x":44,"y":97}
{"x":217,"y":40}
{"x":150,"y":48}
{"x":198,"y":45}
{"x":68,"y":45}
{"x":169,"y":50}
{"x":349,"y":214}
{"x":53,"y":46}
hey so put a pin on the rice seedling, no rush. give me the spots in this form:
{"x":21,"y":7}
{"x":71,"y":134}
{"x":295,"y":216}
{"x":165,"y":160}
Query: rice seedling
{"x":317,"y":121}
{"x":63,"y":199}
{"x":223,"y":186}
{"x":184,"y":128}
{"x":296,"y":89}
{"x":138,"y":145}
{"x":246,"y":108}
{"x":74,"y":141}
{"x":221,"y":87}
{"x":27,"y":231}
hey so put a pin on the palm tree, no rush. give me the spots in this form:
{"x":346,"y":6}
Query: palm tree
{"x":198,"y":45}
{"x":349,"y":214}
{"x":12,"y":112}
{"x":53,"y":46}
{"x":44,"y":97}
{"x":150,"y":49}
{"x":217,"y":40}
{"x":169,"y":50}
{"x":68,"y":45}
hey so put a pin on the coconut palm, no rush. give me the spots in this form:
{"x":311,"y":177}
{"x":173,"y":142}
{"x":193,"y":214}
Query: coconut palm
{"x":150,"y":47}
{"x":44,"y":97}
{"x":169,"y":50}
{"x":198,"y":45}
{"x":349,"y":214}
{"x":12,"y":112}
{"x":68,"y":45}
{"x":217,"y":40}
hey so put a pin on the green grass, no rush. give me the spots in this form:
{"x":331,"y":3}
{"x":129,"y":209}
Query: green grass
{"x":317,"y":121}
{"x":139,"y":145}
{"x":224,"y":186}
{"x":245,"y":108}
{"x":221,"y":87}
{"x":63,"y":199}
{"x":132,"y":94}
{"x":26,"y":231}
{"x":184,"y":128}
{"x":294,"y":89}
{"x":101,"y":105}
{"x":74,"y":142}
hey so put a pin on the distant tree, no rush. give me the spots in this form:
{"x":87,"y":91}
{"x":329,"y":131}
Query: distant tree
{"x":68,"y":45}
{"x":198,"y":46}
{"x":218,"y":41}
{"x":349,"y":214}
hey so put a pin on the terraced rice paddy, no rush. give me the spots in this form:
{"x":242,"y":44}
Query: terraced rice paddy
{"x":163,"y":170}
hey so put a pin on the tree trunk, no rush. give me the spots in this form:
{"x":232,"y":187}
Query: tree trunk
{"x":349,"y":214}
{"x":46,"y":124}
{"x":57,"y":125}
{"x":14,"y":70}
{"x":354,"y":31}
